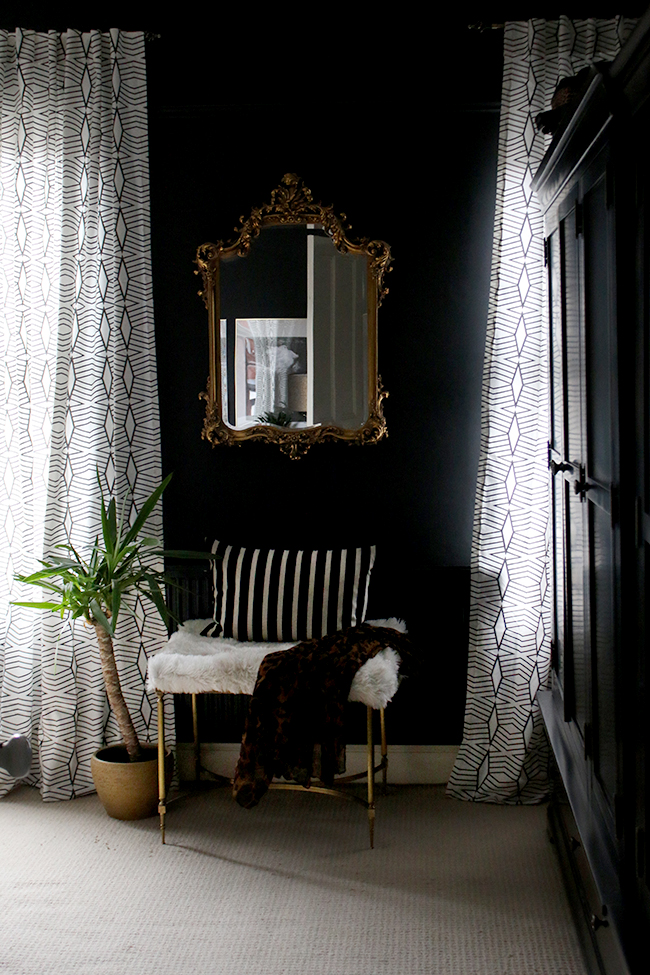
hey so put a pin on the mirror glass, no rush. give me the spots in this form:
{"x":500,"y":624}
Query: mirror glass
{"x":293,"y":330}
{"x":292,"y":306}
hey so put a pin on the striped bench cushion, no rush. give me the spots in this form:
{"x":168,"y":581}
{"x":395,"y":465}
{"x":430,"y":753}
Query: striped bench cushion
{"x":289,"y":594}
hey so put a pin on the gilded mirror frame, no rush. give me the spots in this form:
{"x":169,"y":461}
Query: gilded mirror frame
{"x":292,"y":203}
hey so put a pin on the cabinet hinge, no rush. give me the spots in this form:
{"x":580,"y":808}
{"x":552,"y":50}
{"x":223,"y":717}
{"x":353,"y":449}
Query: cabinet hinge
{"x":546,"y":252}
{"x":596,"y":922}
{"x":580,"y":222}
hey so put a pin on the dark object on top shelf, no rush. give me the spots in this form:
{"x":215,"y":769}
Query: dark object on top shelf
{"x":566,"y":99}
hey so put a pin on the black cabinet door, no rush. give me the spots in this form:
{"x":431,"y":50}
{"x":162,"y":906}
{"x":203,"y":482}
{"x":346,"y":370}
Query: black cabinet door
{"x":567,"y":452}
{"x":639,"y":435}
{"x":601,"y":479}
{"x":583,"y":464}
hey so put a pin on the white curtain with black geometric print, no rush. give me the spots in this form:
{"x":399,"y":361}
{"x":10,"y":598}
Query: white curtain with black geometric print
{"x":78,"y":389}
{"x":503,"y":755}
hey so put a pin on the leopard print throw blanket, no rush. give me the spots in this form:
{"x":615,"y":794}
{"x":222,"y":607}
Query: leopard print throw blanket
{"x":294,"y":727}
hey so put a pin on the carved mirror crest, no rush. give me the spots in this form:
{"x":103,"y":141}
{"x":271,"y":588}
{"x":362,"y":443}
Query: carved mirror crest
{"x":292,"y":306}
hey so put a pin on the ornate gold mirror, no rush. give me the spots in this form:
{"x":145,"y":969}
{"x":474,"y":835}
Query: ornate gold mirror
{"x":293,"y":327}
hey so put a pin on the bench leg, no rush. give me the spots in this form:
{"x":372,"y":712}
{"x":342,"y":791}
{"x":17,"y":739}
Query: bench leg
{"x":384,"y":751}
{"x":162,"y":809}
{"x":197,"y":743}
{"x":371,"y":779}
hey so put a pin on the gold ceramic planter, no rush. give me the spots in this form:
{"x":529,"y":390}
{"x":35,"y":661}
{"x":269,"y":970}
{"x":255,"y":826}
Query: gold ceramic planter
{"x":128,"y":790}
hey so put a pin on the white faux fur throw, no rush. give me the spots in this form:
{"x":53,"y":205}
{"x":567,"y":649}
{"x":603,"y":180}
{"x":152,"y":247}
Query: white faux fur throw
{"x":194,"y":664}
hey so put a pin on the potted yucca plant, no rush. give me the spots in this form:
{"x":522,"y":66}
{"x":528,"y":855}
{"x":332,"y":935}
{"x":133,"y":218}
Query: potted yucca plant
{"x":94,"y":587}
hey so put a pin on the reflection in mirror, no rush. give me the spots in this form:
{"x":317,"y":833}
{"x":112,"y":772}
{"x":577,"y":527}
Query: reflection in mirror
{"x":268,"y":378}
{"x":295,"y":371}
{"x":293,"y":359}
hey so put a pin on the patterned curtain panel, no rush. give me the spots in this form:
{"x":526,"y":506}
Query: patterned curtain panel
{"x":503,"y":755}
{"x":78,"y":391}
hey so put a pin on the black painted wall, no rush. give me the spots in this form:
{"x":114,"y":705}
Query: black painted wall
{"x":415,"y":166}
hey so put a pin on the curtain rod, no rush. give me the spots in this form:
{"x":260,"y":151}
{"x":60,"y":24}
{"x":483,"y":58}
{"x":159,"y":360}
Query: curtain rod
{"x":485,"y":25}
{"x":576,"y":11}
{"x":148,"y":34}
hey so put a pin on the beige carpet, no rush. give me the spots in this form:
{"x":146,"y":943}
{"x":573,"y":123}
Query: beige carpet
{"x":288,"y":888}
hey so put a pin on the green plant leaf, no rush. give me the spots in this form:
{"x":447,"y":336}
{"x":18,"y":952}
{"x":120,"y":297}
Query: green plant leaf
{"x":72,"y":549}
{"x":68,"y":563}
{"x":156,"y":597}
{"x":100,"y":617}
{"x":36,"y":577}
{"x":146,"y":510}
{"x":115,"y":605}
{"x":112,"y":522}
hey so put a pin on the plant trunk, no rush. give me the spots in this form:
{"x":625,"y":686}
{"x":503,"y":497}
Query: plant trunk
{"x":115,"y":696}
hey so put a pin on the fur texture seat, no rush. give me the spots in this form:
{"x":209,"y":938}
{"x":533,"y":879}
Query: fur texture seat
{"x":193,"y":664}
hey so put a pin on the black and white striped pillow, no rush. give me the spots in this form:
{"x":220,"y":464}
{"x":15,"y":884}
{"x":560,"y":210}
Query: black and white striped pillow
{"x":290,"y":594}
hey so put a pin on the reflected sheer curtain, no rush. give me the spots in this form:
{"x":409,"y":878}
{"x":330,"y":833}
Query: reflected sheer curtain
{"x":78,"y":388}
{"x":266,"y":354}
{"x":273,"y":362}
{"x":503,"y":755}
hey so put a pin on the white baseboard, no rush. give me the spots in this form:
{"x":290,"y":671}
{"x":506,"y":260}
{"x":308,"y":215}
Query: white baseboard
{"x":407,"y":764}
